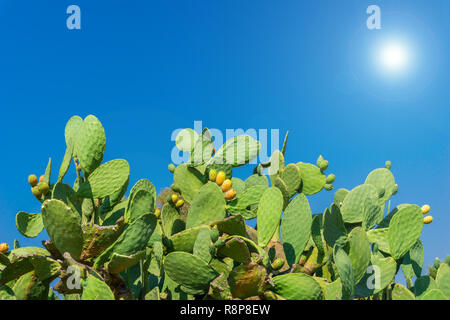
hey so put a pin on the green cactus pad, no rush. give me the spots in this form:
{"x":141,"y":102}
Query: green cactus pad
{"x":202,"y":150}
{"x":120,"y":262}
{"x":19,"y":263}
{"x":333,"y":290}
{"x":359,"y":252}
{"x":424,"y":284}
{"x":372,"y":213}
{"x":339,"y":196}
{"x":276,"y":163}
{"x":244,"y":202}
{"x":111,"y":201}
{"x":15,"y":270}
{"x":382,"y":178}
{"x":141,"y":203}
{"x":67,"y":195}
{"x":24,"y":252}
{"x":29,"y":225}
{"x":171,"y":221}
{"x":188,"y":180}
{"x":371,"y":284}
{"x":345,"y":270}
{"x":237,"y":151}
{"x":233,"y":225}
{"x":256,"y":180}
{"x":412,"y":262}
{"x":63,"y":228}
{"x":202,"y":245}
{"x":96,"y":289}
{"x":277,"y":182}
{"x":269,"y":214}
{"x":6,"y":293}
{"x":316,"y":232}
{"x":45,"y":267}
{"x":133,"y":239}
{"x":238,"y":185}
{"x":153,"y":294}
{"x":71,"y":131}
{"x":353,"y":206}
{"x":404,"y":230}
{"x":185,"y":139}
{"x":185,"y":240}
{"x":143,"y":184}
{"x":297,"y":286}
{"x":115,"y":214}
{"x":333,"y":225}
{"x":65,"y":164}
{"x":313,"y":180}
{"x":207,"y":205}
{"x":106,"y":180}
{"x":97,"y":239}
{"x":434,"y":294}
{"x":443,"y":279}
{"x":380,"y":237}
{"x":296,"y":228}
{"x":29,"y":287}
{"x":90,"y":144}
{"x":400,"y":292}
{"x":292,"y":177}
{"x":189,"y":270}
{"x":236,"y":249}
{"x":48,"y":172}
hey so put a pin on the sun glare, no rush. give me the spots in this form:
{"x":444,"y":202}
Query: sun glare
{"x":394,"y":57}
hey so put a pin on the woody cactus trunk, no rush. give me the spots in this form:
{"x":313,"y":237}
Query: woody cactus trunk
{"x":193,"y":242}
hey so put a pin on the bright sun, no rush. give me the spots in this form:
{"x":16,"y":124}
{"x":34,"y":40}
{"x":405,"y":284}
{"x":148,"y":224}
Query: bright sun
{"x":394,"y":57}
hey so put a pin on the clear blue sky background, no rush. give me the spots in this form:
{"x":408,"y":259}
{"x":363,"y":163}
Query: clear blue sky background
{"x":146,"y":68}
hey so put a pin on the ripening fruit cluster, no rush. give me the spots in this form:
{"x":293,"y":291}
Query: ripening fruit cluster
{"x":425,"y":210}
{"x":39,"y":187}
{"x":221,"y":179}
{"x":175,"y":200}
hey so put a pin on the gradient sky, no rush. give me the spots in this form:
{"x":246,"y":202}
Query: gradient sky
{"x":146,"y":68}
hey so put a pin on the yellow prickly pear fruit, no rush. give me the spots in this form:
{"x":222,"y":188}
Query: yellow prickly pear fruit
{"x":171,"y":168}
{"x":32,"y":180}
{"x":41,"y":178}
{"x":220,"y":178}
{"x":43,"y":188}
{"x":212,"y":175}
{"x":425,"y":209}
{"x":179,"y":203}
{"x":4,"y":247}
{"x":174,"y":198}
{"x":230,"y":194}
{"x":277,"y":264}
{"x":226,"y":185}
{"x":36,"y":192}
{"x":428,"y":220}
{"x":157,"y":212}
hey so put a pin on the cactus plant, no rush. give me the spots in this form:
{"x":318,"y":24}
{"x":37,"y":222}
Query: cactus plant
{"x":193,"y":241}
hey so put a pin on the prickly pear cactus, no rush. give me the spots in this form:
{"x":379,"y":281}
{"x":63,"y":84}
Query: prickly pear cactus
{"x":194,"y":240}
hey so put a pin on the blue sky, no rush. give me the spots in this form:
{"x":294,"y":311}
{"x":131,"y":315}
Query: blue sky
{"x":146,"y":68}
